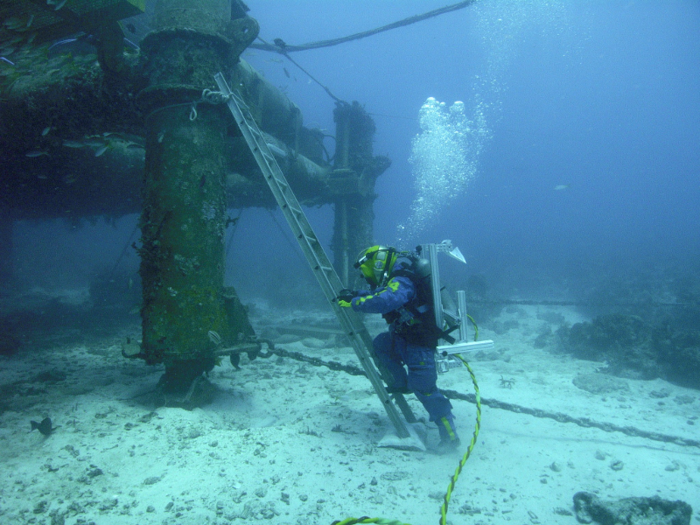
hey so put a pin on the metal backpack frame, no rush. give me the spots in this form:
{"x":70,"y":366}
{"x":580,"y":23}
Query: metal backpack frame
{"x":448,"y":315}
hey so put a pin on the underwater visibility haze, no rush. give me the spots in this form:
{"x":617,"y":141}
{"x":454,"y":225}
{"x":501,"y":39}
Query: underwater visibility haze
{"x":556,"y":143}
{"x":570,"y":152}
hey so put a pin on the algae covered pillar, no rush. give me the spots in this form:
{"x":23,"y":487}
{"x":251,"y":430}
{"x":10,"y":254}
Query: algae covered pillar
{"x":354,"y":213}
{"x":6,"y":251}
{"x":183,"y":218}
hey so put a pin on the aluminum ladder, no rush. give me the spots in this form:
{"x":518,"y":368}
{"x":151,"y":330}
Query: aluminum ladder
{"x":326,"y":275}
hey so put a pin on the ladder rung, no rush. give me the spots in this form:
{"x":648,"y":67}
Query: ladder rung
{"x":309,"y":238}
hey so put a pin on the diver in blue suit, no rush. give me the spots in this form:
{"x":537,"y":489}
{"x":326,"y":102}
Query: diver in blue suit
{"x":402,"y":295}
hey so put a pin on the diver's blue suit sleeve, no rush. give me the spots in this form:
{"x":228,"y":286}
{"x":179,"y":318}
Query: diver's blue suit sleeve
{"x":397,"y":292}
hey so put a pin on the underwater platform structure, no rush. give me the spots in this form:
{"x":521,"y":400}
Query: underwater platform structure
{"x":137,"y":127}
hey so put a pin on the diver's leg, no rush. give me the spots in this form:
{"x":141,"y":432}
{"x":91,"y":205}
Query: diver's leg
{"x":390,"y":358}
{"x":422,"y":380}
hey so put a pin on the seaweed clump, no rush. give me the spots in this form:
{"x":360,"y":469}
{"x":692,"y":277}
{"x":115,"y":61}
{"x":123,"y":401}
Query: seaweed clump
{"x":679,"y":354}
{"x":623,"y":341}
{"x":634,"y":349}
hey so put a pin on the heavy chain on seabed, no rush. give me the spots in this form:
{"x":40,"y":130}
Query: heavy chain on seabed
{"x":580,"y":421}
{"x":315,"y":361}
{"x":494,"y":403}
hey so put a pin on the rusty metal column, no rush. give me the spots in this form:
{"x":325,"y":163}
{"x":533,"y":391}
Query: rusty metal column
{"x":354,"y":214}
{"x":183,"y":218}
{"x":340,"y":246}
{"x":6,"y":249}
{"x":341,"y":223}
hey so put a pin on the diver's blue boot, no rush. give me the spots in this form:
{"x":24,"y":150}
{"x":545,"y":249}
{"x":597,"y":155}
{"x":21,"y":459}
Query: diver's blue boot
{"x":449,"y":440}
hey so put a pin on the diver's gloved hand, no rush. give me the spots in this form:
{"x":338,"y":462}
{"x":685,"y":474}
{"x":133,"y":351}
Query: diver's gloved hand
{"x":345,"y":297}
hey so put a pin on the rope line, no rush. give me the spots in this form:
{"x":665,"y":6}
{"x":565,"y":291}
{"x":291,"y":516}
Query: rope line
{"x":229,"y":242}
{"x":494,"y":403}
{"x":476,"y":398}
{"x":367,"y":519}
{"x":282,"y":49}
{"x":475,"y":435}
{"x":208,"y":97}
{"x":123,"y":252}
{"x":356,"y":36}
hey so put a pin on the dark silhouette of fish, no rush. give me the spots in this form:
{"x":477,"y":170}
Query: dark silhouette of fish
{"x":45,"y":427}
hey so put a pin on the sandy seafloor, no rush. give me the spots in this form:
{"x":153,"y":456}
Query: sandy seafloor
{"x":288,"y":443}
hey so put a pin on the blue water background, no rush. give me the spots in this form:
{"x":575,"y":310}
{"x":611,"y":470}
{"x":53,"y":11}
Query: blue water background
{"x":599,"y":96}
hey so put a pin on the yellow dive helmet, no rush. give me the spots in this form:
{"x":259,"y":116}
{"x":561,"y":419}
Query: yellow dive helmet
{"x":376,"y":264}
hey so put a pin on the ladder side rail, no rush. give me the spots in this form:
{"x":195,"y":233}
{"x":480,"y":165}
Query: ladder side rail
{"x":286,"y":199}
{"x":313,"y":251}
{"x":462,"y":310}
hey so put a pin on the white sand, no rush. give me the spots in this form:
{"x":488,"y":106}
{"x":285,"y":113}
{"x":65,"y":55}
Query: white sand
{"x":265,"y":449}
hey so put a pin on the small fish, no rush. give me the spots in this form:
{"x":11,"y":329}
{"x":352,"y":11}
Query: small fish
{"x":101,"y":151}
{"x":59,"y":5}
{"x":36,"y":153}
{"x":30,"y":21}
{"x":13,"y":23}
{"x":73,"y":144}
{"x":131,"y":44}
{"x":160,"y":136}
{"x":275,"y":60}
{"x":214,"y":337}
{"x":130,"y":27}
{"x":561,"y":187}
{"x":69,"y":179}
{"x":63,"y":42}
{"x":46,"y":131}
{"x":45,"y":427}
{"x":8,"y":61}
{"x":286,"y":72}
